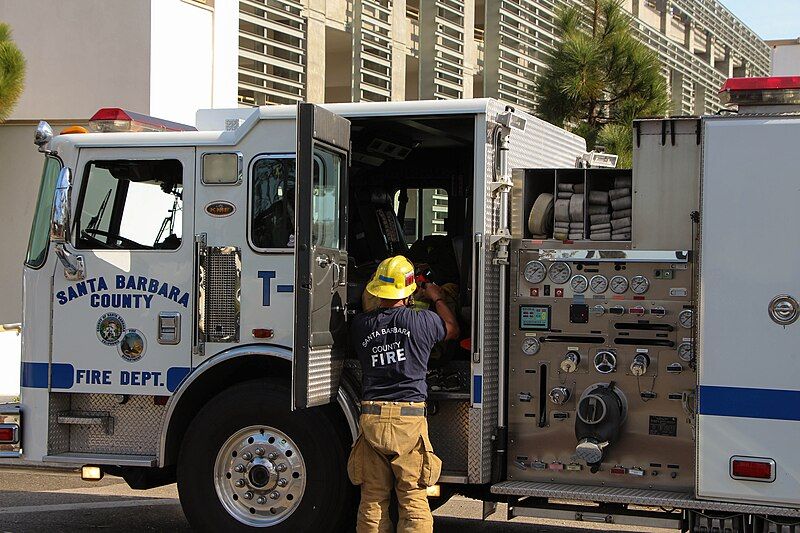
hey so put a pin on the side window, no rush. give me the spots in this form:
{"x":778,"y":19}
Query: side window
{"x":272,"y":203}
{"x":131,"y":205}
{"x":325,"y":216}
{"x":422,"y":212}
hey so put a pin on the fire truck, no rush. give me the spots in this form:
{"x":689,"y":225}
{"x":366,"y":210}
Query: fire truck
{"x":630,"y":345}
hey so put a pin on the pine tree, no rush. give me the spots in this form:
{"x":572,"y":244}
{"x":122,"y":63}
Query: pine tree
{"x":600,"y":77}
{"x":12,"y":72}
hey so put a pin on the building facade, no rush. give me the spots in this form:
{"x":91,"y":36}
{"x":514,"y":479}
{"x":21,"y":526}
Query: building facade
{"x":378,"y":50}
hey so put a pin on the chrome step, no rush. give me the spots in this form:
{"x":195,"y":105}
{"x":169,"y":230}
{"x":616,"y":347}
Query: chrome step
{"x":641,"y":497}
{"x":87,"y":418}
{"x":80,"y":459}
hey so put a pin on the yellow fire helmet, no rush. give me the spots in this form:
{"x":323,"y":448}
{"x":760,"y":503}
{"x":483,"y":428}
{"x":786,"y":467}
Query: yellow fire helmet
{"x":394,"y":279}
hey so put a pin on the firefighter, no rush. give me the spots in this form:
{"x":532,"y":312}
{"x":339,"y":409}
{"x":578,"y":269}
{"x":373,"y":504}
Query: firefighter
{"x":393,"y":451}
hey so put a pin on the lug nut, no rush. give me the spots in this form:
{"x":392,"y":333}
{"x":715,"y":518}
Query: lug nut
{"x":281,"y":467}
{"x":272,"y":456}
{"x":275,"y":495}
{"x":247,"y":456}
{"x":282,"y":482}
{"x":259,"y":451}
{"x":239,"y":468}
{"x":261,"y":500}
{"x":248,"y":495}
{"x":240,"y":483}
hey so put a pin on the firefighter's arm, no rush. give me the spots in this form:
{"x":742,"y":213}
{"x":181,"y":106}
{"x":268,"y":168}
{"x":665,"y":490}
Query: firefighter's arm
{"x":435,"y":294}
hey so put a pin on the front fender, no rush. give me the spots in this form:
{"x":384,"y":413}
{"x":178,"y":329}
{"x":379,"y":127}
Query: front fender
{"x":278,"y":359}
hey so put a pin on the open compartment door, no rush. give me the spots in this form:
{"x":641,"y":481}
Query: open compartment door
{"x":323,"y":160}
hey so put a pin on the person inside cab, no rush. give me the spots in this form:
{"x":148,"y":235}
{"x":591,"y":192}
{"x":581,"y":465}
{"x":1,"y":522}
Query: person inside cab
{"x":393,"y":451}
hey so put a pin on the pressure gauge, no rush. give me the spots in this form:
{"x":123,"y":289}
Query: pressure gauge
{"x":686,"y":318}
{"x":530,"y":346}
{"x":560,"y":272}
{"x":579,"y":283}
{"x":599,"y":284}
{"x":619,"y":284}
{"x":639,"y":284}
{"x":535,"y":271}
{"x":686,"y":351}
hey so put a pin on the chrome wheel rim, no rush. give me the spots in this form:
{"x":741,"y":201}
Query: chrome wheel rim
{"x":260,"y":476}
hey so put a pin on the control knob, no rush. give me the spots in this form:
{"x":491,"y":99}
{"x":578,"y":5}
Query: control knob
{"x":605,"y":362}
{"x":559,"y":395}
{"x":570,"y":362}
{"x":640,"y":363}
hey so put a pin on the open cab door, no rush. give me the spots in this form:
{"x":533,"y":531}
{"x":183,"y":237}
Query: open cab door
{"x":323,"y":160}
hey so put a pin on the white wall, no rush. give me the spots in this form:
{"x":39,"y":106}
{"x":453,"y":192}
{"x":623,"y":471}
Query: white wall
{"x":82,"y":55}
{"x":786,"y":60}
{"x":226,"y":53}
{"x":10,"y":356}
{"x":20,"y":171}
{"x":181,"y":66}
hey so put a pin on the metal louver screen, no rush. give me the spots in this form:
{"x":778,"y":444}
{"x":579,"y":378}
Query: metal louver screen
{"x":222,"y":282}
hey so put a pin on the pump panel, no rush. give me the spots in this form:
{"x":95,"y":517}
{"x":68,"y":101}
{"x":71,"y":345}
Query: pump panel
{"x":601,"y":368}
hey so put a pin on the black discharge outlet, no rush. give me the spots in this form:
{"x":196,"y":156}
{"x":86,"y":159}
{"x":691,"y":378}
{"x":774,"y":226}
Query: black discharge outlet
{"x":600,"y":416}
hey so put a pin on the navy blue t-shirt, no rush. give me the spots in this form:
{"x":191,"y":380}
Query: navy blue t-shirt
{"x":394,"y":345}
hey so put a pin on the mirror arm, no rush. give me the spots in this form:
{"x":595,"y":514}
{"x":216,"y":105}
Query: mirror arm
{"x":74,"y":269}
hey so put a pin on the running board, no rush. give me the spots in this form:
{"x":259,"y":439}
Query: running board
{"x":80,"y":459}
{"x":641,"y":497}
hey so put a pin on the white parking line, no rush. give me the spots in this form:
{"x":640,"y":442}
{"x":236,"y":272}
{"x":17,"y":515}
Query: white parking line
{"x":85,"y":506}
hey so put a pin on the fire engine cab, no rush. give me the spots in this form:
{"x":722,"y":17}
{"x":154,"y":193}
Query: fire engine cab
{"x":629,"y":347}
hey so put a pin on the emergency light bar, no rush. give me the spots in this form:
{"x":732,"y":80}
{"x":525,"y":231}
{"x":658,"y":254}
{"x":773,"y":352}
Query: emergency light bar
{"x":775,"y":90}
{"x":114,"y":119}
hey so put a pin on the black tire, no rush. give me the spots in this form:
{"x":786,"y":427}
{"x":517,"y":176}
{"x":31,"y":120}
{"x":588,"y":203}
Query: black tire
{"x":329,"y":500}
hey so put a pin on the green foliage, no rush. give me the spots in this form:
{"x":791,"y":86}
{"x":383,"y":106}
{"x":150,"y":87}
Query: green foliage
{"x":12,"y":72}
{"x":600,"y":76}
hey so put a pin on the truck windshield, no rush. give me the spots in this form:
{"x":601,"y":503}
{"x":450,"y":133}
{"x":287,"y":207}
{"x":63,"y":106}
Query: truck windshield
{"x":40,"y":234}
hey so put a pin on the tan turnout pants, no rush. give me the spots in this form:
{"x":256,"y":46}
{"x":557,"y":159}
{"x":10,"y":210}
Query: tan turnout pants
{"x":393,"y":452}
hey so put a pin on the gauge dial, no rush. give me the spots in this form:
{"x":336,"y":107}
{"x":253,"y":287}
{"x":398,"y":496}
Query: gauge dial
{"x":686,"y":318}
{"x":639,"y":284}
{"x":599,"y":284}
{"x":560,"y":272}
{"x":619,"y":284}
{"x":535,"y":272}
{"x":686,"y":351}
{"x":579,"y":283}
{"x":530,"y":346}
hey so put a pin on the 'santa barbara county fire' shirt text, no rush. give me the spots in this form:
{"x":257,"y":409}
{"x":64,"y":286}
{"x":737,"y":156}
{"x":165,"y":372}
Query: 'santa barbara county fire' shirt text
{"x":394,"y":345}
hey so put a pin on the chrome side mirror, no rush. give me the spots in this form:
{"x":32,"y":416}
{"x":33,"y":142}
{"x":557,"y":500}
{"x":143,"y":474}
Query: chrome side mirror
{"x":43,"y":136}
{"x":59,"y":224}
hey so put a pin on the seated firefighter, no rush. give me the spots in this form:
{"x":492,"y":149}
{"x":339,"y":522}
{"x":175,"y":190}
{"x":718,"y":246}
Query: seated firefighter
{"x":393,"y":451}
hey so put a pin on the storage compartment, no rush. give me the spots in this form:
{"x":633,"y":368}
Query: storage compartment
{"x":570,"y":205}
{"x":608,"y":206}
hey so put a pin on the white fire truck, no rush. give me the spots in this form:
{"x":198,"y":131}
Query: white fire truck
{"x":630,"y":347}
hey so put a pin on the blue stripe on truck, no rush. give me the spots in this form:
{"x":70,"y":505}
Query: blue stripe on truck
{"x":744,"y":402}
{"x":38,"y":375}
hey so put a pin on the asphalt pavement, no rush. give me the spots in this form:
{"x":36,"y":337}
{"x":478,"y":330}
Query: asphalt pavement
{"x":57,"y":500}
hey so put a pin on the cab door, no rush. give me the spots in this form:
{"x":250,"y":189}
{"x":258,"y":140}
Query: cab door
{"x":124,"y":326}
{"x":323,"y":160}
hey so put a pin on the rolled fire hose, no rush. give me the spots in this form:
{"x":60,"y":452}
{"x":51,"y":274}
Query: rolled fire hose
{"x":561,"y":208}
{"x":540,"y":220}
{"x":576,"y":208}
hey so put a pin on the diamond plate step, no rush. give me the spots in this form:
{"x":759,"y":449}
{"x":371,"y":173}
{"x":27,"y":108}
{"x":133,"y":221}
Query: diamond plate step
{"x":643,"y":497}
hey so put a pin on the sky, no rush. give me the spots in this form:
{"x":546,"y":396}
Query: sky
{"x":770,"y":19}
